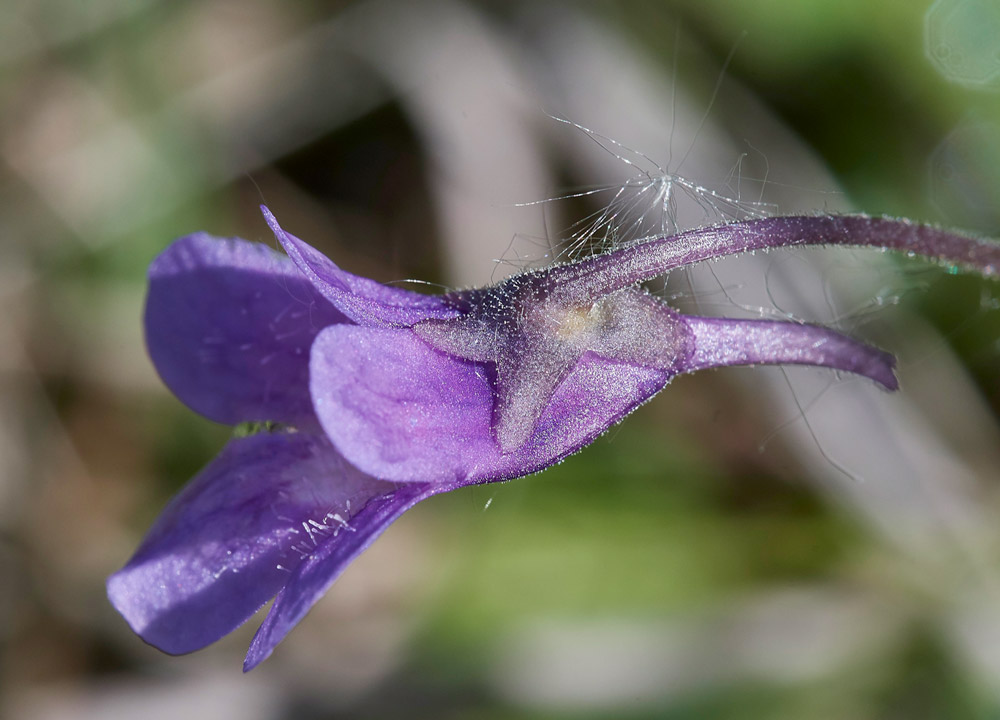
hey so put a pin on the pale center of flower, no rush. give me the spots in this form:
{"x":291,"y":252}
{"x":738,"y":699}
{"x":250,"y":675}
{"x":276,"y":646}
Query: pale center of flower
{"x":571,"y":324}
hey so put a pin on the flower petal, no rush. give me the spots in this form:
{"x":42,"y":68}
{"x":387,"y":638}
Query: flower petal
{"x":315,"y":575}
{"x":235,"y":535}
{"x":363,"y":300}
{"x":229,"y":324}
{"x":400,"y":410}
{"x":722,"y":341}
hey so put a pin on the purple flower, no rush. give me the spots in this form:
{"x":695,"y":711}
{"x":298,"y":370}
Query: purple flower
{"x":383,"y":397}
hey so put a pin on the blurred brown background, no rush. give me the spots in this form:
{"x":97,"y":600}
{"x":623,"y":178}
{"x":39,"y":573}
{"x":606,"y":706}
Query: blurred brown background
{"x":755,"y":543}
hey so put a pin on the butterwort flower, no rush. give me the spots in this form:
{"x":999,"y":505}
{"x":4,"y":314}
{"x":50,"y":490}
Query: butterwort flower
{"x":377,"y":397}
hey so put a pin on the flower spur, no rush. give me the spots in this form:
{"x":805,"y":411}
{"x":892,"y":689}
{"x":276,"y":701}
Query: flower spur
{"x":384,"y":397}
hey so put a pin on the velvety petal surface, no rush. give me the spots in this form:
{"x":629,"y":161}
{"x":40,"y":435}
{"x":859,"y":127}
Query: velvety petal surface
{"x":236,"y":535}
{"x":400,"y":410}
{"x":363,"y":300}
{"x":229,"y":324}
{"x":317,"y":572}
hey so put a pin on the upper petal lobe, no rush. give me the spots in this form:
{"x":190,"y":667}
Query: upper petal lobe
{"x":229,"y":324}
{"x":363,"y":300}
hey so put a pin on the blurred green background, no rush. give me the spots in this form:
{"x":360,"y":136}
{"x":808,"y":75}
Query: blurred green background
{"x":751,"y":544}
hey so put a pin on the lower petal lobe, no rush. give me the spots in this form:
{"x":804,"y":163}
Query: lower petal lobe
{"x":315,"y":574}
{"x":235,"y":536}
{"x":229,"y":324}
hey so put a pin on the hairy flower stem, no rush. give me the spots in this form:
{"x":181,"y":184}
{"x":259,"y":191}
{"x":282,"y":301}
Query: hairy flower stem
{"x":588,"y":280}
